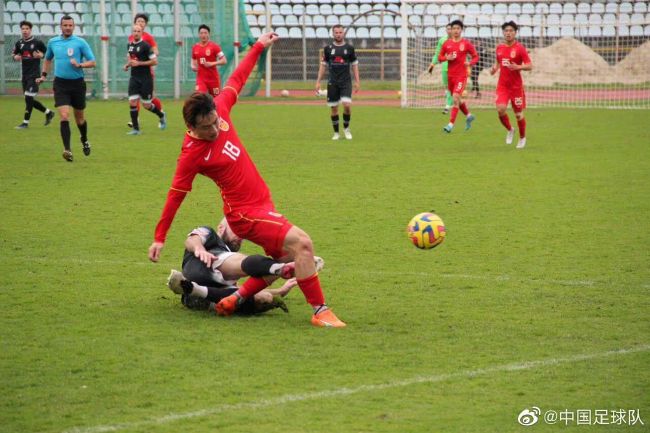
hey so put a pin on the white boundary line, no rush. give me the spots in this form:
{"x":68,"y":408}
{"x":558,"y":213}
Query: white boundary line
{"x":328,"y":394}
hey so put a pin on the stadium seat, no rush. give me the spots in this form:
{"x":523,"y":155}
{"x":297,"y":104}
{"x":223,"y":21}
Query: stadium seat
{"x":27,"y":6}
{"x":282,"y":32}
{"x":566,"y":31}
{"x":256,"y":32}
{"x":261,"y":21}
{"x":640,"y":7}
{"x":553,"y":31}
{"x":470,"y":20}
{"x":528,"y":8}
{"x":434,"y":9}
{"x":295,"y":33}
{"x":514,"y":9}
{"x":339,"y":9}
{"x":373,"y":21}
{"x":623,"y":31}
{"x":501,"y":8}
{"x":553,"y":19}
{"x":459,"y":9}
{"x":487,"y":8}
{"x":32,"y":17}
{"x":164,"y":9}
{"x":471,"y":32}
{"x":154,"y":19}
{"x":362,"y":33}
{"x":525,"y":32}
{"x":626,"y":7}
{"x":332,"y":20}
{"x":374,"y":32}
{"x":541,"y":8}
{"x":484,"y":32}
{"x":525,"y":20}
{"x":471,"y":9}
{"x":584,"y":8}
{"x":12,"y":6}
{"x":637,"y":19}
{"x":581,"y":19}
{"x":158,"y":32}
{"x":322,"y":33}
{"x":312,"y":10}
{"x":393,"y":8}
{"x":611,"y":8}
{"x":595,"y":31}
{"x":53,"y":7}
{"x":446,"y":9}
{"x":292,"y":21}
{"x":326,"y":9}
{"x":597,"y":8}
{"x":17,"y":17}
{"x":345,"y":20}
{"x":595,"y":19}
{"x":555,"y":8}
{"x":47,"y":30}
{"x":364,"y":8}
{"x":609,"y":19}
{"x":251,"y":20}
{"x":277,"y":20}
{"x":352,"y":9}
{"x":636,"y":31}
{"x":646,"y":31}
{"x":442,"y":20}
{"x":361,"y":21}
{"x":319,"y":21}
{"x":609,"y":31}
{"x":430,"y":32}
{"x":350,"y":33}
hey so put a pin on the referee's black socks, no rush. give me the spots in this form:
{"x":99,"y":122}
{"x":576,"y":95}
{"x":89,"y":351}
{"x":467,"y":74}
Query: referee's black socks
{"x":65,"y":134}
{"x":83,"y":130}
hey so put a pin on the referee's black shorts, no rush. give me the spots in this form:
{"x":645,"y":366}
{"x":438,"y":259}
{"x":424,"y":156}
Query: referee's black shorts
{"x":70,"y":92}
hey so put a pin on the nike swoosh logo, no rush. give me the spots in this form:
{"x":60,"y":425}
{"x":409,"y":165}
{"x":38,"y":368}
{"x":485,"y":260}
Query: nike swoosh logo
{"x":208,"y":156}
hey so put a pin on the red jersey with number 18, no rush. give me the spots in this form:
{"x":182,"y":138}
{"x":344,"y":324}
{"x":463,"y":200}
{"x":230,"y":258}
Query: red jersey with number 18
{"x":515,"y":54}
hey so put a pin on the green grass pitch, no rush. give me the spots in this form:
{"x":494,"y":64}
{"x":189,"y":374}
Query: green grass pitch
{"x":538,"y":297}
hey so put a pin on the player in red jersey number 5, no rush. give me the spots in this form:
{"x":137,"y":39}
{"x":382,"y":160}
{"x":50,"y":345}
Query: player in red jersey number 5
{"x":212,"y":148}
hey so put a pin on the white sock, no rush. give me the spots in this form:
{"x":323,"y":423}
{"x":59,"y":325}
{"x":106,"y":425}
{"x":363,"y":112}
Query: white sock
{"x":199,"y":291}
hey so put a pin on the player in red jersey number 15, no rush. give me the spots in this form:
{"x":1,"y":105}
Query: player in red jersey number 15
{"x":212,"y":148}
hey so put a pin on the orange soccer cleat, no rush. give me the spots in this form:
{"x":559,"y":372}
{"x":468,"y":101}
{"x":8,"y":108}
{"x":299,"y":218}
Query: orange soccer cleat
{"x":227,"y":305}
{"x":327,"y":319}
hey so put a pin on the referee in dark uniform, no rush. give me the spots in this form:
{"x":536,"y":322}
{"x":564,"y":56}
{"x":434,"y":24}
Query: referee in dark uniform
{"x":30,"y":51}
{"x":140,"y":58}
{"x":339,"y":58}
{"x":71,"y":54}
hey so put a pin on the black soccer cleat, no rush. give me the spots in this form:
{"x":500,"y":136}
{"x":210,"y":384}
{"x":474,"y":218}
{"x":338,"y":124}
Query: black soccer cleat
{"x":48,"y":117}
{"x":86,"y":147}
{"x":22,"y":126}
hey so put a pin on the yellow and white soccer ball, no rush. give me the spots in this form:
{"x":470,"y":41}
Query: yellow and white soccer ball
{"x":426,"y":230}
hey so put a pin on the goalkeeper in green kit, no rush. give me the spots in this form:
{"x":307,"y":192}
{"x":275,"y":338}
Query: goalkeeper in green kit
{"x":448,"y":98}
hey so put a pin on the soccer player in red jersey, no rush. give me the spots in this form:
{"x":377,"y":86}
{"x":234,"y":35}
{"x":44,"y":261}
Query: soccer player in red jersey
{"x":212,"y":148}
{"x":512,"y":58}
{"x":206,"y":56}
{"x":142,"y":20}
{"x":455,"y":51}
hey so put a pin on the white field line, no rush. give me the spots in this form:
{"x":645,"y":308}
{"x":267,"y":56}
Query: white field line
{"x":338,"y":392}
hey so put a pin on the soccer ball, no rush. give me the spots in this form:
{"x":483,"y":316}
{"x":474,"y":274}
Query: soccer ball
{"x":426,"y":230}
{"x":284,"y":93}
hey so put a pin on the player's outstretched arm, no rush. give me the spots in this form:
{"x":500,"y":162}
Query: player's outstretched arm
{"x":237,"y":80}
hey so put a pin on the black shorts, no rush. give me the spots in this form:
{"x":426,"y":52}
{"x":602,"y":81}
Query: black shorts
{"x":339,"y":92}
{"x":142,"y":87}
{"x":30,"y":86}
{"x":70,"y":92}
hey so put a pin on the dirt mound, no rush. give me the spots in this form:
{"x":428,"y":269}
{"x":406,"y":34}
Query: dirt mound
{"x":635,"y":67}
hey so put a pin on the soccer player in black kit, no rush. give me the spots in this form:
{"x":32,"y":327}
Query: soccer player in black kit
{"x":30,"y":51}
{"x":140,"y":59}
{"x":339,"y":57}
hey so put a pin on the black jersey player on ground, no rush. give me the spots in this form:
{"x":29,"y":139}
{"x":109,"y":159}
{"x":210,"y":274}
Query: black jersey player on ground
{"x":30,"y":51}
{"x":140,"y":58}
{"x":339,"y":57}
{"x":212,"y":266}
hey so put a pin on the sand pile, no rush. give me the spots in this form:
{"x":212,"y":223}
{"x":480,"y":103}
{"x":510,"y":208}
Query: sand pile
{"x":635,"y":67}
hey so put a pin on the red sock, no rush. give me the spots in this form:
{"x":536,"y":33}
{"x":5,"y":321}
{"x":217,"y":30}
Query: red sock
{"x":505,"y":121}
{"x":252,"y":286}
{"x":522,"y":127}
{"x":464,"y":109}
{"x":310,"y":287}
{"x":454,"y":113}
{"x":157,"y":103}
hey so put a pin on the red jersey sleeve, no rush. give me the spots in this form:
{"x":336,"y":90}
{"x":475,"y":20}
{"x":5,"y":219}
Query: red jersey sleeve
{"x":228,"y":96}
{"x":472,"y":52}
{"x":181,"y":185}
